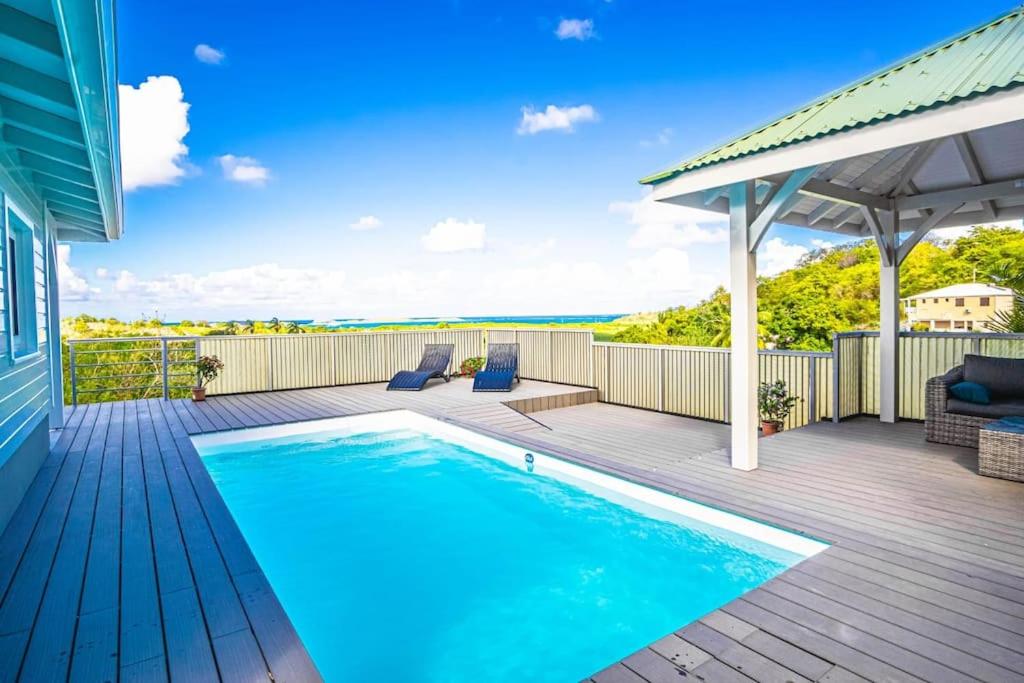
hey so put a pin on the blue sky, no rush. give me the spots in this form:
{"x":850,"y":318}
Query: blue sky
{"x":393,"y":159}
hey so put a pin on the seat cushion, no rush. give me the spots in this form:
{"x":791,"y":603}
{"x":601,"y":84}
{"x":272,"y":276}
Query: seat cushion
{"x":997,"y":408}
{"x":1007,"y":426}
{"x":972,"y":392}
{"x":1004,"y":377}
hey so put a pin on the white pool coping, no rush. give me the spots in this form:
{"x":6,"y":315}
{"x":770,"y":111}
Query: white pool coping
{"x":649,"y":501}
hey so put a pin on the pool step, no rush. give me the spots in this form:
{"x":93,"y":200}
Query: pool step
{"x":574,"y":397}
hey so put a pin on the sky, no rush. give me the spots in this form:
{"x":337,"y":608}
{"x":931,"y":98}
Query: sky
{"x":452,"y":157}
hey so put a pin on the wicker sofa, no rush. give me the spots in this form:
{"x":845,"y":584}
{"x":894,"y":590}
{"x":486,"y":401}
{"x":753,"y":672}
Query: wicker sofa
{"x":950,"y":420}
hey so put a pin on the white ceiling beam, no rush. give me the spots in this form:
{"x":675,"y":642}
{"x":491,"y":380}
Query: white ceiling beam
{"x":883,"y":164}
{"x":878,"y":232}
{"x":844,"y":195}
{"x":921,"y":155}
{"x":780,"y":200}
{"x":970,"y":159}
{"x":714,"y":194}
{"x":923,"y":229}
{"x":961,"y":195}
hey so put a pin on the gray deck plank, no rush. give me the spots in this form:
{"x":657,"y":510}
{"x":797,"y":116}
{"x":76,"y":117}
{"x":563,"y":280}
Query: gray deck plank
{"x":141,"y":630}
{"x":50,"y":644}
{"x":925,"y":581}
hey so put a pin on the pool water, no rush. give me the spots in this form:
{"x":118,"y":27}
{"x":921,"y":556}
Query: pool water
{"x":402,"y":556}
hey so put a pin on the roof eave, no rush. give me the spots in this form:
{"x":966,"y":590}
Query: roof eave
{"x":989,"y":109}
{"x":87,"y":32}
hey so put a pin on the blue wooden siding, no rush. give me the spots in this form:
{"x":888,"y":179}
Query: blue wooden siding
{"x":24,"y":384}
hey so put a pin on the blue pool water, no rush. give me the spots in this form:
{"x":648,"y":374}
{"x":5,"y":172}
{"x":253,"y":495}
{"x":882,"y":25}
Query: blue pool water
{"x":403,"y":557}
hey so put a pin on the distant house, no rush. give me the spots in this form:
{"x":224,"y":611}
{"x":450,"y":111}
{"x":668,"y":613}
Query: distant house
{"x":964,"y":307}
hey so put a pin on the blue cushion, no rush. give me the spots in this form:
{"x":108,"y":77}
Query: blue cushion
{"x":1008,"y":426}
{"x":972,"y":392}
{"x":1014,"y":419}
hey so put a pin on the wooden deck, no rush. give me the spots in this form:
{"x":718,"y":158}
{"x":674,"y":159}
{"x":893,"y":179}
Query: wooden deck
{"x":123,"y":562}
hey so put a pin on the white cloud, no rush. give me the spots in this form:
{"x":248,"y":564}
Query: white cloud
{"x":669,"y":225}
{"x":777,"y":255}
{"x":154,"y":122}
{"x":822,"y":244}
{"x":667,"y":271}
{"x":243,"y":170}
{"x":454,"y":235}
{"x":73,"y":287}
{"x":555,"y":118}
{"x":578,"y":29}
{"x":956,"y":233}
{"x":208,"y":55}
{"x":663,"y":137}
{"x":365,"y":223}
{"x":102,"y":273}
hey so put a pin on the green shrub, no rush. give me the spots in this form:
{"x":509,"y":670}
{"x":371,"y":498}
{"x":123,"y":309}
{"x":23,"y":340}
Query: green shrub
{"x":471,"y":366}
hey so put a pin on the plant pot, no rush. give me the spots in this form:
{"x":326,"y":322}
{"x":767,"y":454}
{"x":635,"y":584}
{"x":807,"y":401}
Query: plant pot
{"x":198,"y":393}
{"x":769,"y":428}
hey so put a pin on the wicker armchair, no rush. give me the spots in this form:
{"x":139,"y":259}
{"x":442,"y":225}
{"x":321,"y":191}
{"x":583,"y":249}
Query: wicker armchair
{"x":946,"y":427}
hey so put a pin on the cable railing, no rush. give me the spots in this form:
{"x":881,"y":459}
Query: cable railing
{"x":124,"y":368}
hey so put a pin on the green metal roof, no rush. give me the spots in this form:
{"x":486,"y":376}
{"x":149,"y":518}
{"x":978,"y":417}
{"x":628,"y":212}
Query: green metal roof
{"x":983,"y":60}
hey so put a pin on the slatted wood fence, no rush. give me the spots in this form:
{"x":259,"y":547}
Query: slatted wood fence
{"x":684,"y":380}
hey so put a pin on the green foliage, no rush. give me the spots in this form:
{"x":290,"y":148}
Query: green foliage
{"x":836,"y":290}
{"x":207,"y":369}
{"x":1011,"y":275}
{"x":774,"y":402}
{"x":471,"y":366}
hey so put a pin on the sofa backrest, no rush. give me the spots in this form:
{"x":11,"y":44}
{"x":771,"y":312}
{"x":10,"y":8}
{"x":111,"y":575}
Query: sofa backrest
{"x":1004,"y":377}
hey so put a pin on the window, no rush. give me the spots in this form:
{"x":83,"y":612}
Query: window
{"x":958,"y":324}
{"x":935,"y":301}
{"x":985,"y":301}
{"x":959,"y":302}
{"x":21,"y":304}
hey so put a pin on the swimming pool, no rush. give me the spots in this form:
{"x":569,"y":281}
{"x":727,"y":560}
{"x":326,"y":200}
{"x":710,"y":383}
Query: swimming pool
{"x":408,"y":549}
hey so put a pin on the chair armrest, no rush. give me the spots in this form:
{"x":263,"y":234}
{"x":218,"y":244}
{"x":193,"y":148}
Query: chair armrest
{"x":954,"y":376}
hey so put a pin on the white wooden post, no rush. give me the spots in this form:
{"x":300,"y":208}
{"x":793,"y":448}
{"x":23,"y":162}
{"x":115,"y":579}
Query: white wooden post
{"x":743,"y":292}
{"x":889,"y":323}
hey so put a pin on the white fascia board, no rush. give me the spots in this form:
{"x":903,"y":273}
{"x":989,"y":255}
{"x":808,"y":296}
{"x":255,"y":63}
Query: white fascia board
{"x":963,"y":117}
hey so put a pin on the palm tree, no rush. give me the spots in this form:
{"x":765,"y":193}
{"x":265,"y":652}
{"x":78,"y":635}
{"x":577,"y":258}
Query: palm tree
{"x":249,"y":327}
{"x":1011,"y":320}
{"x":230,"y":327}
{"x":274,"y":325}
{"x":295,"y":328}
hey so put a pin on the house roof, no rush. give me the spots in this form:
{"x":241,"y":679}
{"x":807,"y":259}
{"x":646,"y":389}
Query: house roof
{"x":59,"y":150}
{"x":984,"y":60}
{"x":965,"y":289}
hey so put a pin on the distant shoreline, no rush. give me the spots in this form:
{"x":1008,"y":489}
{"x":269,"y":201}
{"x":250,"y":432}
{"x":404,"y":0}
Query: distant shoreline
{"x":364,"y":323}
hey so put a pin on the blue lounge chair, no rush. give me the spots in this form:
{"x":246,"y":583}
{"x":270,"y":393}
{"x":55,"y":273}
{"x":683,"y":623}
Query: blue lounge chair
{"x":501,"y":369}
{"x":434,"y":363}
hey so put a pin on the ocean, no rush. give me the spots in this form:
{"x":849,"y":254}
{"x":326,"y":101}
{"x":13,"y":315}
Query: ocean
{"x":492,"y":320}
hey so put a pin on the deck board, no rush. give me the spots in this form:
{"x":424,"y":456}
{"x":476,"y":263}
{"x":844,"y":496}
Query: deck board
{"x":123,"y":561}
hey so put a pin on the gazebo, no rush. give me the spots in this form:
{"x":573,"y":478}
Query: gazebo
{"x":934,"y":141}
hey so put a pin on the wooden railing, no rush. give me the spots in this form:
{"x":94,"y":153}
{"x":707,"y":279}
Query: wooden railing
{"x":684,"y":380}
{"x":302,"y":361}
{"x":694,"y":381}
{"x":922,"y":355}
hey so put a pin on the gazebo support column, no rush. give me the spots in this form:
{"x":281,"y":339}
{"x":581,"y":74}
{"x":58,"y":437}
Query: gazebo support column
{"x":885,"y":228}
{"x":743,"y":289}
{"x":889,"y":342}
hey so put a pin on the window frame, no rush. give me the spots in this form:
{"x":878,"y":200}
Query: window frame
{"x":985,"y":301}
{"x":959,"y":302}
{"x":19,"y":285}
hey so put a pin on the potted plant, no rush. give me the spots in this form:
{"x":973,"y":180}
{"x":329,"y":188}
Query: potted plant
{"x":471,"y":366}
{"x":207,"y":369}
{"x":774,"y":403}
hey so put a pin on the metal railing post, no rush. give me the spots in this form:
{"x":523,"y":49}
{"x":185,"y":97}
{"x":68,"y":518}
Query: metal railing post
{"x":73,"y":371}
{"x":163,"y":368}
{"x":836,"y":395}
